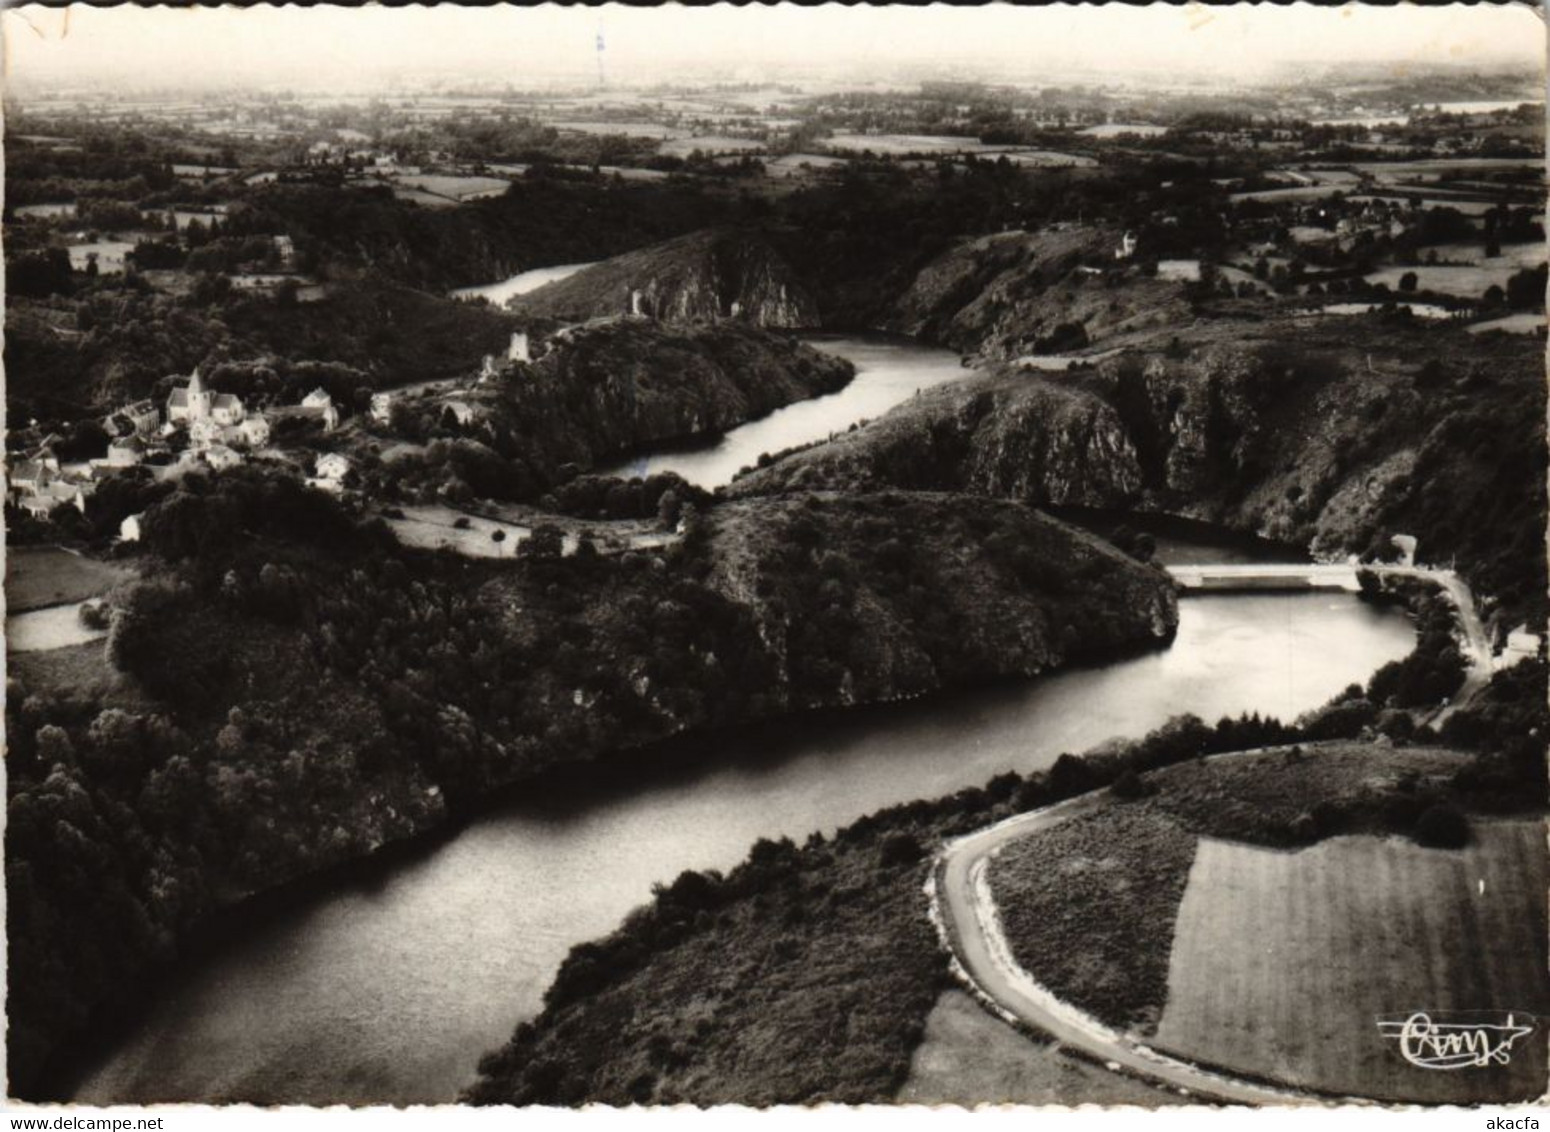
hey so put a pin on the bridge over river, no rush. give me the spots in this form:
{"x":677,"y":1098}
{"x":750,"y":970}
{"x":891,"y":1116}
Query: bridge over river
{"x":1262,"y":576}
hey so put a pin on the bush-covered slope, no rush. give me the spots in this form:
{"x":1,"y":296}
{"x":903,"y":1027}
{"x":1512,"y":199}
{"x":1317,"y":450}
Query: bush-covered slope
{"x":1017,"y":293}
{"x":117,"y":347}
{"x":445,"y":678}
{"x":1339,"y":434}
{"x":600,"y":393}
{"x":806,"y":974}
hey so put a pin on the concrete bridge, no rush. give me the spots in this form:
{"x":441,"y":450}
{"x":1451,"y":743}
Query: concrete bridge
{"x":1259,"y":576}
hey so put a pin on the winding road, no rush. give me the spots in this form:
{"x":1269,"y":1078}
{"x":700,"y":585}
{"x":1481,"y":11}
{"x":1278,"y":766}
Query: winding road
{"x":964,"y":909}
{"x":965,"y":913}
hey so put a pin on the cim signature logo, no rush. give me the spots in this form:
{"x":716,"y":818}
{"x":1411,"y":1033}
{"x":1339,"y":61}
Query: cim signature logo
{"x":1457,"y":1041}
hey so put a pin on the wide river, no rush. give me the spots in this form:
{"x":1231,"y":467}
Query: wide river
{"x":390,"y":991}
{"x":888,"y":371}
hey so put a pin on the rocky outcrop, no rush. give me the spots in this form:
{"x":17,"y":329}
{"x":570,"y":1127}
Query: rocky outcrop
{"x":1006,"y":435}
{"x":1019,"y":293}
{"x":871,"y":598}
{"x":603,"y":392}
{"x":711,"y":275}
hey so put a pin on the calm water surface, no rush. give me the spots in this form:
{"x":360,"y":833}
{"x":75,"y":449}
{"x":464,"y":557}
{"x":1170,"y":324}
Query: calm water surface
{"x":519,"y":284}
{"x":391,"y":991}
{"x":888,"y":372}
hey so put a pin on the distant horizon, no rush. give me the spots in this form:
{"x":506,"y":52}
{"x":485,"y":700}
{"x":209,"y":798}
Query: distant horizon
{"x":382,"y":49}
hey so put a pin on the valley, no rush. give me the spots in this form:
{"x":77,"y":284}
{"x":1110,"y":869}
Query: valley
{"x":780,"y":592}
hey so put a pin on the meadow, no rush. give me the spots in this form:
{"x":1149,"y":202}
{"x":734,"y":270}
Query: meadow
{"x":1281,"y":962}
{"x":37,"y":577}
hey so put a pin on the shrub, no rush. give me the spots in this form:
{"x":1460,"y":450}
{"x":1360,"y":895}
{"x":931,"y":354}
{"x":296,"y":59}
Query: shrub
{"x":94,"y":615}
{"x":1442,"y":827}
{"x":900,"y":849}
{"x":1130,"y":785}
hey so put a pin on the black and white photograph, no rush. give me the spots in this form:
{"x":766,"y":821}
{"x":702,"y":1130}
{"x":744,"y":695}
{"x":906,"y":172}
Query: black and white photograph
{"x":616,"y":556}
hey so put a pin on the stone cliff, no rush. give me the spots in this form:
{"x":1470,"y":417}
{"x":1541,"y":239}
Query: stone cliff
{"x":1020,"y":293}
{"x":603,"y":392}
{"x":708,"y":275}
{"x":870,"y":598}
{"x":1295,"y":430}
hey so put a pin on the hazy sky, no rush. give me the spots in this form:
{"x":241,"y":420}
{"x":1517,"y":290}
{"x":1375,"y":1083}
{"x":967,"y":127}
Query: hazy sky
{"x":352,"y":46}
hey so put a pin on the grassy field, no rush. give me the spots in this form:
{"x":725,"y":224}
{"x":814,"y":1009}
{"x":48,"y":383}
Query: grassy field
{"x":1467,"y":207}
{"x":36,"y":577}
{"x":1465,"y":282}
{"x":1089,"y":908}
{"x":1281,"y":962}
{"x":57,"y":627}
{"x":1181,"y":916}
{"x":457,"y":188}
{"x":79,"y":671}
{"x":1511,"y":324}
{"x":1513,"y":255}
{"x":432,"y":528}
{"x":709,"y":143}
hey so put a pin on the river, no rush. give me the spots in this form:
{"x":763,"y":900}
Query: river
{"x":520,"y":284}
{"x":390,"y":991}
{"x":888,"y":371}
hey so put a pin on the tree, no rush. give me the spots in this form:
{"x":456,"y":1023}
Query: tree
{"x":1526,"y":289}
{"x":900,"y":849}
{"x":1408,"y":282}
{"x":546,"y":542}
{"x":1442,"y":827}
{"x":497,"y":536}
{"x":669,"y":507}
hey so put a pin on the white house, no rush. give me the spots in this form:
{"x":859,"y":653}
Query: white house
{"x":333,"y":466}
{"x":125,"y":452}
{"x":381,"y":407}
{"x":29,"y":476}
{"x":519,"y":350}
{"x":251,"y":433}
{"x":45,"y":500}
{"x":315,"y":406}
{"x":220,"y":457}
{"x":1521,"y":645}
{"x":140,"y":418}
{"x":129,"y":529}
{"x":321,"y":403}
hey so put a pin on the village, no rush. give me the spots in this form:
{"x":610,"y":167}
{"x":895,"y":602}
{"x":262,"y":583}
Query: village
{"x":194,"y":427}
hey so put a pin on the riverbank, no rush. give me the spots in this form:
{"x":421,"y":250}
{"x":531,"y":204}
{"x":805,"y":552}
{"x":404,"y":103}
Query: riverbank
{"x":624,"y":643}
{"x":888,"y":371}
{"x":464,"y":942}
{"x":1337,"y":445}
{"x":614,"y":1012}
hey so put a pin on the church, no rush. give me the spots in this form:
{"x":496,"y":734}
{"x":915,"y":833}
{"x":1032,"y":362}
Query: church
{"x":194,"y":404}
